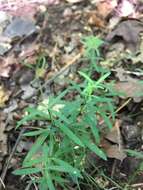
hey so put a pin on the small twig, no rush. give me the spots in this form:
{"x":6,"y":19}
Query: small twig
{"x":112,"y":188}
{"x":137,"y":185}
{"x":138,"y":74}
{"x":6,"y":166}
{"x":2,"y":183}
{"x":57,"y":74}
{"x":113,"y":168}
{"x":120,"y":108}
{"x":123,"y":105}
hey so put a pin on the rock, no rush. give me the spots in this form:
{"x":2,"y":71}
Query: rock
{"x":20,"y":27}
{"x":28,"y":92}
{"x":131,"y":134}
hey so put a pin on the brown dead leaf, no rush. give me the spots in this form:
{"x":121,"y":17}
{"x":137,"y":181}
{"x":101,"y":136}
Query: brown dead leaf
{"x":131,"y":88}
{"x":29,"y":54}
{"x":114,"y":135}
{"x":4,"y":96}
{"x":113,"y":151}
{"x":113,"y":144}
{"x":104,"y":8}
{"x":128,"y":31}
{"x":95,"y":20}
{"x":6,"y":65}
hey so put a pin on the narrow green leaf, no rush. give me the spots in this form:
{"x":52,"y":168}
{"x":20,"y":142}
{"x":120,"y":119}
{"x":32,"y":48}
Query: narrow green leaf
{"x":55,"y":100}
{"x":134,"y":153}
{"x":92,"y":122}
{"x":36,"y":146}
{"x":101,"y":79}
{"x":106,"y":119}
{"x":67,"y":167}
{"x":33,"y":114}
{"x":62,"y":169}
{"x":111,"y":109}
{"x":86,"y":77}
{"x":42,"y":183}
{"x":31,"y":163}
{"x":26,"y":171}
{"x":60,"y":180}
{"x":35,"y":133}
{"x":94,"y":148}
{"x":49,"y":181}
{"x":69,"y":133}
{"x":61,"y":117}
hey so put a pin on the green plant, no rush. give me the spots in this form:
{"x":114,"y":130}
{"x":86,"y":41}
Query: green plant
{"x":92,"y":53}
{"x":39,"y":67}
{"x":71,"y":131}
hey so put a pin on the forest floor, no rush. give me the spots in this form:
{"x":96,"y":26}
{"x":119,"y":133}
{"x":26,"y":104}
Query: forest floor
{"x":40,"y":53}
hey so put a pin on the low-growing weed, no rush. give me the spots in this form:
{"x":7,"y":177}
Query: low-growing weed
{"x":71,"y":129}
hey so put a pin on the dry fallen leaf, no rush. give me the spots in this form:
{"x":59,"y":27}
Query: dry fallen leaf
{"x":95,"y":20}
{"x":104,"y":8}
{"x":114,"y":135}
{"x":113,"y":151}
{"x":113,"y":143}
{"x":98,"y":16}
{"x":4,"y":96}
{"x":128,"y":31}
{"x":131,"y":88}
{"x":6,"y":65}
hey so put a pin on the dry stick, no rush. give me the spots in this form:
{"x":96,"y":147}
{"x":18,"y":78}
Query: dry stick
{"x":4,"y":172}
{"x":137,"y":185}
{"x":78,"y":56}
{"x":120,"y":108}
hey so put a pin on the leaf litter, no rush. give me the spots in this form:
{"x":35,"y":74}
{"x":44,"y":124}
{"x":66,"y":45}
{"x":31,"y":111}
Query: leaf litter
{"x":58,"y":40}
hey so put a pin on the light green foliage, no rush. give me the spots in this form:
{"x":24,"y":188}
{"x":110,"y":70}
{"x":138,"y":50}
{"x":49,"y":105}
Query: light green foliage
{"x":71,"y":129}
{"x":39,"y":67}
{"x":92,"y":53}
{"x":138,"y":155}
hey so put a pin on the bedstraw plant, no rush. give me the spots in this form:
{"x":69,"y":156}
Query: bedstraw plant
{"x":71,"y":127}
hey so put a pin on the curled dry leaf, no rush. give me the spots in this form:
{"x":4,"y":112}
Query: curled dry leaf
{"x":128,"y":31}
{"x":113,"y":143}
